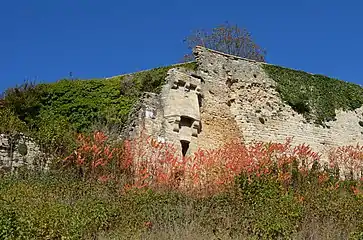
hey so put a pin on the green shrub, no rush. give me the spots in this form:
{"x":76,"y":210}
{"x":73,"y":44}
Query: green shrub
{"x":10,"y":122}
{"x":24,"y":101}
{"x":54,"y":134}
{"x":276,"y":213}
{"x":10,"y":227}
{"x":317,"y":97}
{"x":148,"y":81}
{"x":84,"y":102}
{"x":151,"y":80}
{"x":50,"y":207}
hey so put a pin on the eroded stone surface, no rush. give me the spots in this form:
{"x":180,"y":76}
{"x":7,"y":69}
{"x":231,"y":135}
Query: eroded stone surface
{"x":174,"y":115}
{"x":19,"y":151}
{"x":259,"y":111}
{"x":229,"y":98}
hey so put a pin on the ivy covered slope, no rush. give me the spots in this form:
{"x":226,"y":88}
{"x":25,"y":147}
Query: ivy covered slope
{"x":49,"y":111}
{"x":315,"y":96}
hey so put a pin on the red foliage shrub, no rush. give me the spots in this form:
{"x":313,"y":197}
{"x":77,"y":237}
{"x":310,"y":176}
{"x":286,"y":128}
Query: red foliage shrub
{"x":349,"y":159}
{"x":215,"y":170}
{"x":151,"y":164}
{"x":155,"y":164}
{"x":96,"y":158}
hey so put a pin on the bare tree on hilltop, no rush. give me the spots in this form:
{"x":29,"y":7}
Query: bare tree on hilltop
{"x":228,"y":39}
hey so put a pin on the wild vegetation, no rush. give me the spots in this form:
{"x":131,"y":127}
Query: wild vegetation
{"x":99,"y":188}
{"x":315,"y":96}
{"x":258,"y":191}
{"x":53,"y":113}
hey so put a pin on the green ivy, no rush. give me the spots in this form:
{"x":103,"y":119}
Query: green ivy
{"x":315,"y":96}
{"x":152,"y":80}
{"x":83,"y":102}
{"x":53,"y":112}
{"x":190,"y":65}
{"x":10,"y":122}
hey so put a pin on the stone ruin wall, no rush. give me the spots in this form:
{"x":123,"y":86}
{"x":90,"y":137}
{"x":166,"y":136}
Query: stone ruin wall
{"x":184,"y":114}
{"x":19,"y":151}
{"x":228,"y":98}
{"x":260,"y":113}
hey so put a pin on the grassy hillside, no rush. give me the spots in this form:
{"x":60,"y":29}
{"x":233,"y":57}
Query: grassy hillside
{"x":317,"y":97}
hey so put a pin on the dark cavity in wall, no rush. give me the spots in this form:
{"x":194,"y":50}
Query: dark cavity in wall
{"x":200,"y":100}
{"x":185,"y":121}
{"x":185,"y":147}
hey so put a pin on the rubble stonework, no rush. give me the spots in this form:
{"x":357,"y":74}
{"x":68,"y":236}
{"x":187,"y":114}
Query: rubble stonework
{"x":174,"y":114}
{"x":19,"y":151}
{"x":226,"y":98}
{"x":259,"y":111}
{"x":231,"y":97}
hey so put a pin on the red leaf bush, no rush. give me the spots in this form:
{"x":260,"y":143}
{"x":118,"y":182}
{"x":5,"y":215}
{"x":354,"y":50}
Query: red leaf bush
{"x":349,"y":159}
{"x":148,"y":163}
{"x":97,"y":158}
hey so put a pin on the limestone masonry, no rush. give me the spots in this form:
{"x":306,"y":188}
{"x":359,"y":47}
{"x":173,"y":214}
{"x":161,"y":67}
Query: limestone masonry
{"x":19,"y":151}
{"x":228,"y":98}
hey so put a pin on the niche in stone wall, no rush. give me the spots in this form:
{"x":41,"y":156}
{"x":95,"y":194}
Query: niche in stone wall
{"x":185,"y":122}
{"x":185,"y":147}
{"x":185,"y":133}
{"x":187,"y":127}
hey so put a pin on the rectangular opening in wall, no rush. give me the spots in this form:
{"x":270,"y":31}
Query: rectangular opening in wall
{"x":185,"y":121}
{"x":185,"y":147}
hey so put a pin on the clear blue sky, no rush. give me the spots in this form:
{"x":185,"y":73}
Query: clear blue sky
{"x":46,"y":39}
